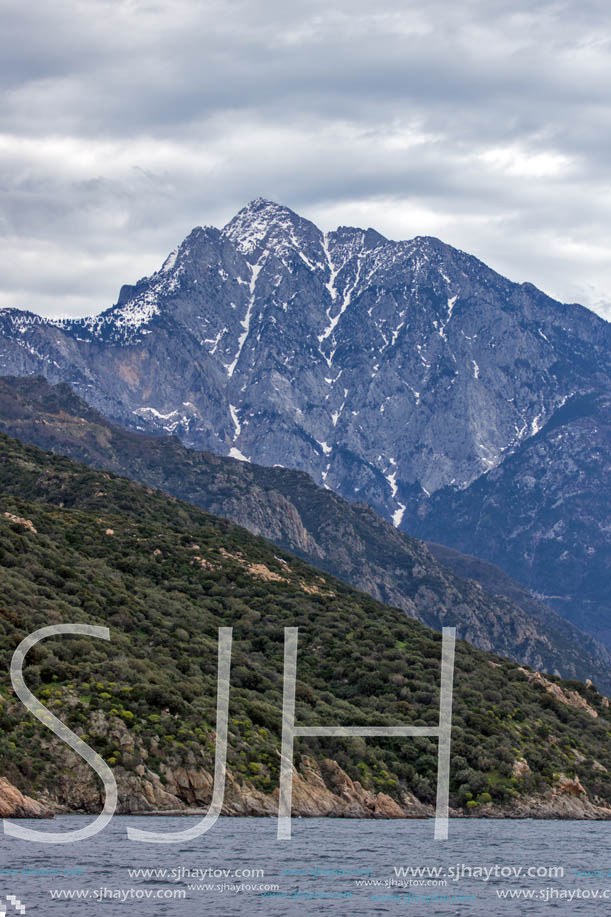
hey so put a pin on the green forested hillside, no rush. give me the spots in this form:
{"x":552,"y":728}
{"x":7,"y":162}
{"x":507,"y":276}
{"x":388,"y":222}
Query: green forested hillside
{"x":347,"y":540}
{"x":80,"y":545}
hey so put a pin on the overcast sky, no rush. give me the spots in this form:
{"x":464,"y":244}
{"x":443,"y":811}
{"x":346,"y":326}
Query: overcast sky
{"x":124,"y":123}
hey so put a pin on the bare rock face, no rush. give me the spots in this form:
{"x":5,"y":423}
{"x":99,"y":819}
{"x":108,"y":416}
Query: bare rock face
{"x":329,"y":788}
{"x":13,"y":804}
{"x":521,"y":768}
{"x":565,"y":799}
{"x":18,"y":520}
{"x":318,"y":791}
{"x":542,"y":514}
{"x":568,"y":786}
{"x":404,"y":374}
{"x":569,"y":698}
{"x":323,"y":790}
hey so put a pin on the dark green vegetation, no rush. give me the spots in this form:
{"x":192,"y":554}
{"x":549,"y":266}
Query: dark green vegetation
{"x":163,"y":576}
{"x":348,"y":540}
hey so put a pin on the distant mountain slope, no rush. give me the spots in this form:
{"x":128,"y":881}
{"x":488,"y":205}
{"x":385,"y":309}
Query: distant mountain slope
{"x":386,"y":370}
{"x":80,"y":545}
{"x":543,"y":515}
{"x":348,"y":540}
{"x":494,"y":580}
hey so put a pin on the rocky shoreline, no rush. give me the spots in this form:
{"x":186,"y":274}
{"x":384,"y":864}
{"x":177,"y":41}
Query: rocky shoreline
{"x":13,"y":803}
{"x":320,"y":790}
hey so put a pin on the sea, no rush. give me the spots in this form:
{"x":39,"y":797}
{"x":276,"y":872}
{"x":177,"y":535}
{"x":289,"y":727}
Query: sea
{"x":329,"y":866}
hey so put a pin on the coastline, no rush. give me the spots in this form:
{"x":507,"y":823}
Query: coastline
{"x":319,"y":791}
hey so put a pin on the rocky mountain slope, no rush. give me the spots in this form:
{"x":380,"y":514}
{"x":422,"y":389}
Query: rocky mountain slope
{"x":347,"y":540}
{"x":493,"y":580}
{"x":544,"y":514}
{"x":78,"y":544}
{"x":385,"y":369}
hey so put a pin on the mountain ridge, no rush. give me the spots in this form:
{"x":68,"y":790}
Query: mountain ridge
{"x":308,"y":319}
{"x":347,"y":540}
{"x":543,"y":515}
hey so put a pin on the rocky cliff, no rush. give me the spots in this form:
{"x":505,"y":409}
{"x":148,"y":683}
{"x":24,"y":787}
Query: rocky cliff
{"x":320,"y":790}
{"x":13,"y":804}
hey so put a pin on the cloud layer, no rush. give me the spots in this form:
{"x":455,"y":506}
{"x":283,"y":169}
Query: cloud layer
{"x":124,"y":123}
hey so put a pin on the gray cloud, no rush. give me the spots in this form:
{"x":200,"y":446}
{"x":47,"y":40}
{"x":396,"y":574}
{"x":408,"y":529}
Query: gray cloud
{"x":124,"y":124}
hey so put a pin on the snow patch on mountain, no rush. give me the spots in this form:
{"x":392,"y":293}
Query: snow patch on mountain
{"x":255,"y":271}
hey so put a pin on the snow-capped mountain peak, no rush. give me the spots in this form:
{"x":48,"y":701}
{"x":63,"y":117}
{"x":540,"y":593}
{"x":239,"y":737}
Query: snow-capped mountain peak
{"x":265,"y":224}
{"x":388,"y":370}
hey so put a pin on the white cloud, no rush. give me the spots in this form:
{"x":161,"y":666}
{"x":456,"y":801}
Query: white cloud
{"x":124,"y":124}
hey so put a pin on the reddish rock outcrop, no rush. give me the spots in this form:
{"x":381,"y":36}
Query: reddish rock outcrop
{"x":13,"y":804}
{"x":570,"y":698}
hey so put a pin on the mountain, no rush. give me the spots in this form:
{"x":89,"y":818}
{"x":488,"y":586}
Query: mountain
{"x":494,"y":580}
{"x":388,"y":371}
{"x":544,"y":514}
{"x":384,"y":369}
{"x":81,"y":545}
{"x":347,"y":540}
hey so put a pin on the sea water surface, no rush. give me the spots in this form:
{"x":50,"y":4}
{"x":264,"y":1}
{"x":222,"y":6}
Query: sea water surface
{"x":324,"y":858}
